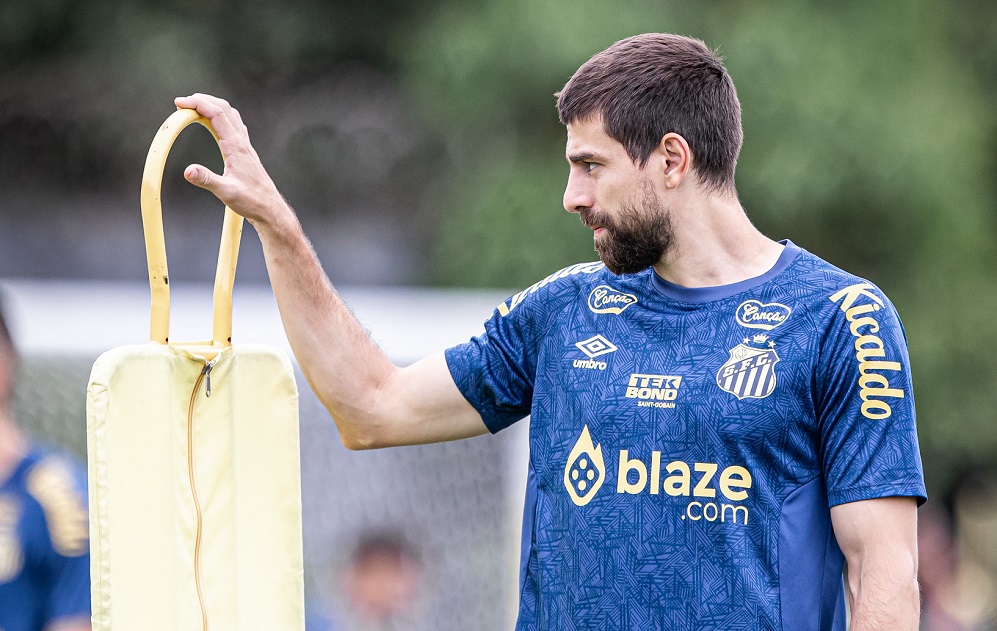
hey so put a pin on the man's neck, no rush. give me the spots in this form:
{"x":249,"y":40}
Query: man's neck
{"x":13,"y":445}
{"x":714,"y":244}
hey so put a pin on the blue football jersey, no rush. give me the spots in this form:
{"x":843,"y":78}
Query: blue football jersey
{"x":44,"y":537}
{"x":686,"y":445}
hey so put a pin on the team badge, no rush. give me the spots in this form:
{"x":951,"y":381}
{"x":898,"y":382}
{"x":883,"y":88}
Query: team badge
{"x":750,"y":371}
{"x":585,"y":470}
{"x":756,"y":315}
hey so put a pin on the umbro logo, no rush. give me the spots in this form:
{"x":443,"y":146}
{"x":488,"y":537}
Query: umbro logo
{"x":595,"y":346}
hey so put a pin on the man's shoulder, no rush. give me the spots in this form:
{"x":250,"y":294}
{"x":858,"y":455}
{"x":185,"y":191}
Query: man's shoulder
{"x":558,"y":289}
{"x":847,"y":308}
{"x":54,"y":483}
{"x":833,"y":282}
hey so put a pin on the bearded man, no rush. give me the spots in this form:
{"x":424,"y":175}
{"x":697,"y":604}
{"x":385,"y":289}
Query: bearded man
{"x":720,"y":423}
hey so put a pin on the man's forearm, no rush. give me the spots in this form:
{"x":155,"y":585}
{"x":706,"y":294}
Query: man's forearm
{"x":884,"y":600}
{"x":342,"y":364}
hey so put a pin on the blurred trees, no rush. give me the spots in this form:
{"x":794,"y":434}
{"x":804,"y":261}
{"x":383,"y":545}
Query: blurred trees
{"x":869,"y":139}
{"x":420,"y":142}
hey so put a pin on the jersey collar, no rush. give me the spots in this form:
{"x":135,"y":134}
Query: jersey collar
{"x":719,"y":292}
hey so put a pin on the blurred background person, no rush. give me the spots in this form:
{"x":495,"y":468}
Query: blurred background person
{"x":381,"y":587}
{"x":44,"y":551}
{"x":938,"y":572}
{"x":957,"y":542}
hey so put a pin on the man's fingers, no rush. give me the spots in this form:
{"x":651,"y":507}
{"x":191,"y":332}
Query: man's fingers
{"x":194,"y":101}
{"x":244,"y":186}
{"x":223,"y":117}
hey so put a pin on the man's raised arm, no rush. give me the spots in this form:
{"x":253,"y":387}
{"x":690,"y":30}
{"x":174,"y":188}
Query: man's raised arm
{"x":374,"y":403}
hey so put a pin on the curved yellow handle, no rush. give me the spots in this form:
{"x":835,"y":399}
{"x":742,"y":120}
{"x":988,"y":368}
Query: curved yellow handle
{"x":155,"y":240}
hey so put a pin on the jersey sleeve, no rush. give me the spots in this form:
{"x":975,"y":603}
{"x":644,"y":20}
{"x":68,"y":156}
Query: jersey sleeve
{"x":70,"y":596}
{"x":496,"y":370}
{"x":865,"y":401}
{"x":59,"y":489}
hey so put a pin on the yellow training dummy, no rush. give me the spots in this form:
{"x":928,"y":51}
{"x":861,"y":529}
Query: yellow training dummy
{"x":194,"y":468}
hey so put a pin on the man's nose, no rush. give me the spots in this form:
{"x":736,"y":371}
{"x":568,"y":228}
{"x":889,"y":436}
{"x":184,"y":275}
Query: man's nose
{"x":577,"y":196}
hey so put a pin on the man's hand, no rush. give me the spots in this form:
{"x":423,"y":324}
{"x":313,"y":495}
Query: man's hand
{"x":374,"y":403}
{"x":879,"y":540}
{"x":244,"y":186}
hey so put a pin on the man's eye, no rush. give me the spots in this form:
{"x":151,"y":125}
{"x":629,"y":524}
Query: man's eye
{"x":589,"y":166}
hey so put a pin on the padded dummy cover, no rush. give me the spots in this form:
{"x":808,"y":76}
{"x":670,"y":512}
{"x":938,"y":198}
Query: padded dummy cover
{"x":194,"y":466}
{"x":150,"y":474}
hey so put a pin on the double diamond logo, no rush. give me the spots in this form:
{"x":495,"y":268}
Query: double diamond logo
{"x":595,"y":346}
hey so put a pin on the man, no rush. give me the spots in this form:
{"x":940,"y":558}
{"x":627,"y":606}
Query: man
{"x":719,"y":421}
{"x":44,"y":559}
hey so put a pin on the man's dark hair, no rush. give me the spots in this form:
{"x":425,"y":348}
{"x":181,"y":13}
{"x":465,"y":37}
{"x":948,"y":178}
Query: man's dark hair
{"x":648,"y":85}
{"x":384,"y":545}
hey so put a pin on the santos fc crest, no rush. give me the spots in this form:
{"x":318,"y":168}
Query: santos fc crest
{"x":750,"y":371}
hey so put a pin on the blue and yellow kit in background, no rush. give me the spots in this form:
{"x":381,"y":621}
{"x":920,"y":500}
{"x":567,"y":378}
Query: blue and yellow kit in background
{"x":686,"y":445}
{"x":44,"y":543}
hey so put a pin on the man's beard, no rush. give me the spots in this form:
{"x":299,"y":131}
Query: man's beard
{"x":637,"y":237}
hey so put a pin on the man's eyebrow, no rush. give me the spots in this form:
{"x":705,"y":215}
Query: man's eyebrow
{"x":584,"y":156}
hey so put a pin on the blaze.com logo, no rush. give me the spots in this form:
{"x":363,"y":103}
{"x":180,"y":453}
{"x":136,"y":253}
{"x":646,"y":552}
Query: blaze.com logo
{"x":715,"y":493}
{"x":585,"y":471}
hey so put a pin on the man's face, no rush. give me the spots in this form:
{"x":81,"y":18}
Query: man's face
{"x":616,"y":199}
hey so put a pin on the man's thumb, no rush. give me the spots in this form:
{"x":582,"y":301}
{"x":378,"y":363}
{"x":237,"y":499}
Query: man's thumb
{"x":200,"y":176}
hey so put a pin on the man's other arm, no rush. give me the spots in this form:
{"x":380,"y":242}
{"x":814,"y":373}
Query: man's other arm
{"x":374,"y":403}
{"x":879,"y":540}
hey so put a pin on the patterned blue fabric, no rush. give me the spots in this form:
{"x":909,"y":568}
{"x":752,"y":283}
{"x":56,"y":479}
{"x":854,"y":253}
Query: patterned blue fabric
{"x":686,"y":444}
{"x":44,"y":551}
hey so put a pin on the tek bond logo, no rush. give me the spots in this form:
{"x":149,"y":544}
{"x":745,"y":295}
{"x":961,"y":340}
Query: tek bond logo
{"x":715,"y":494}
{"x":869,"y":348}
{"x":657,"y":391}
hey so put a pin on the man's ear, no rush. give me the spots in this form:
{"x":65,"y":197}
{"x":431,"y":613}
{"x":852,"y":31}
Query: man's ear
{"x":675,"y":158}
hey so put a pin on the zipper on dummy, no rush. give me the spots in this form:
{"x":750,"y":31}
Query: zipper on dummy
{"x":204,"y":376}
